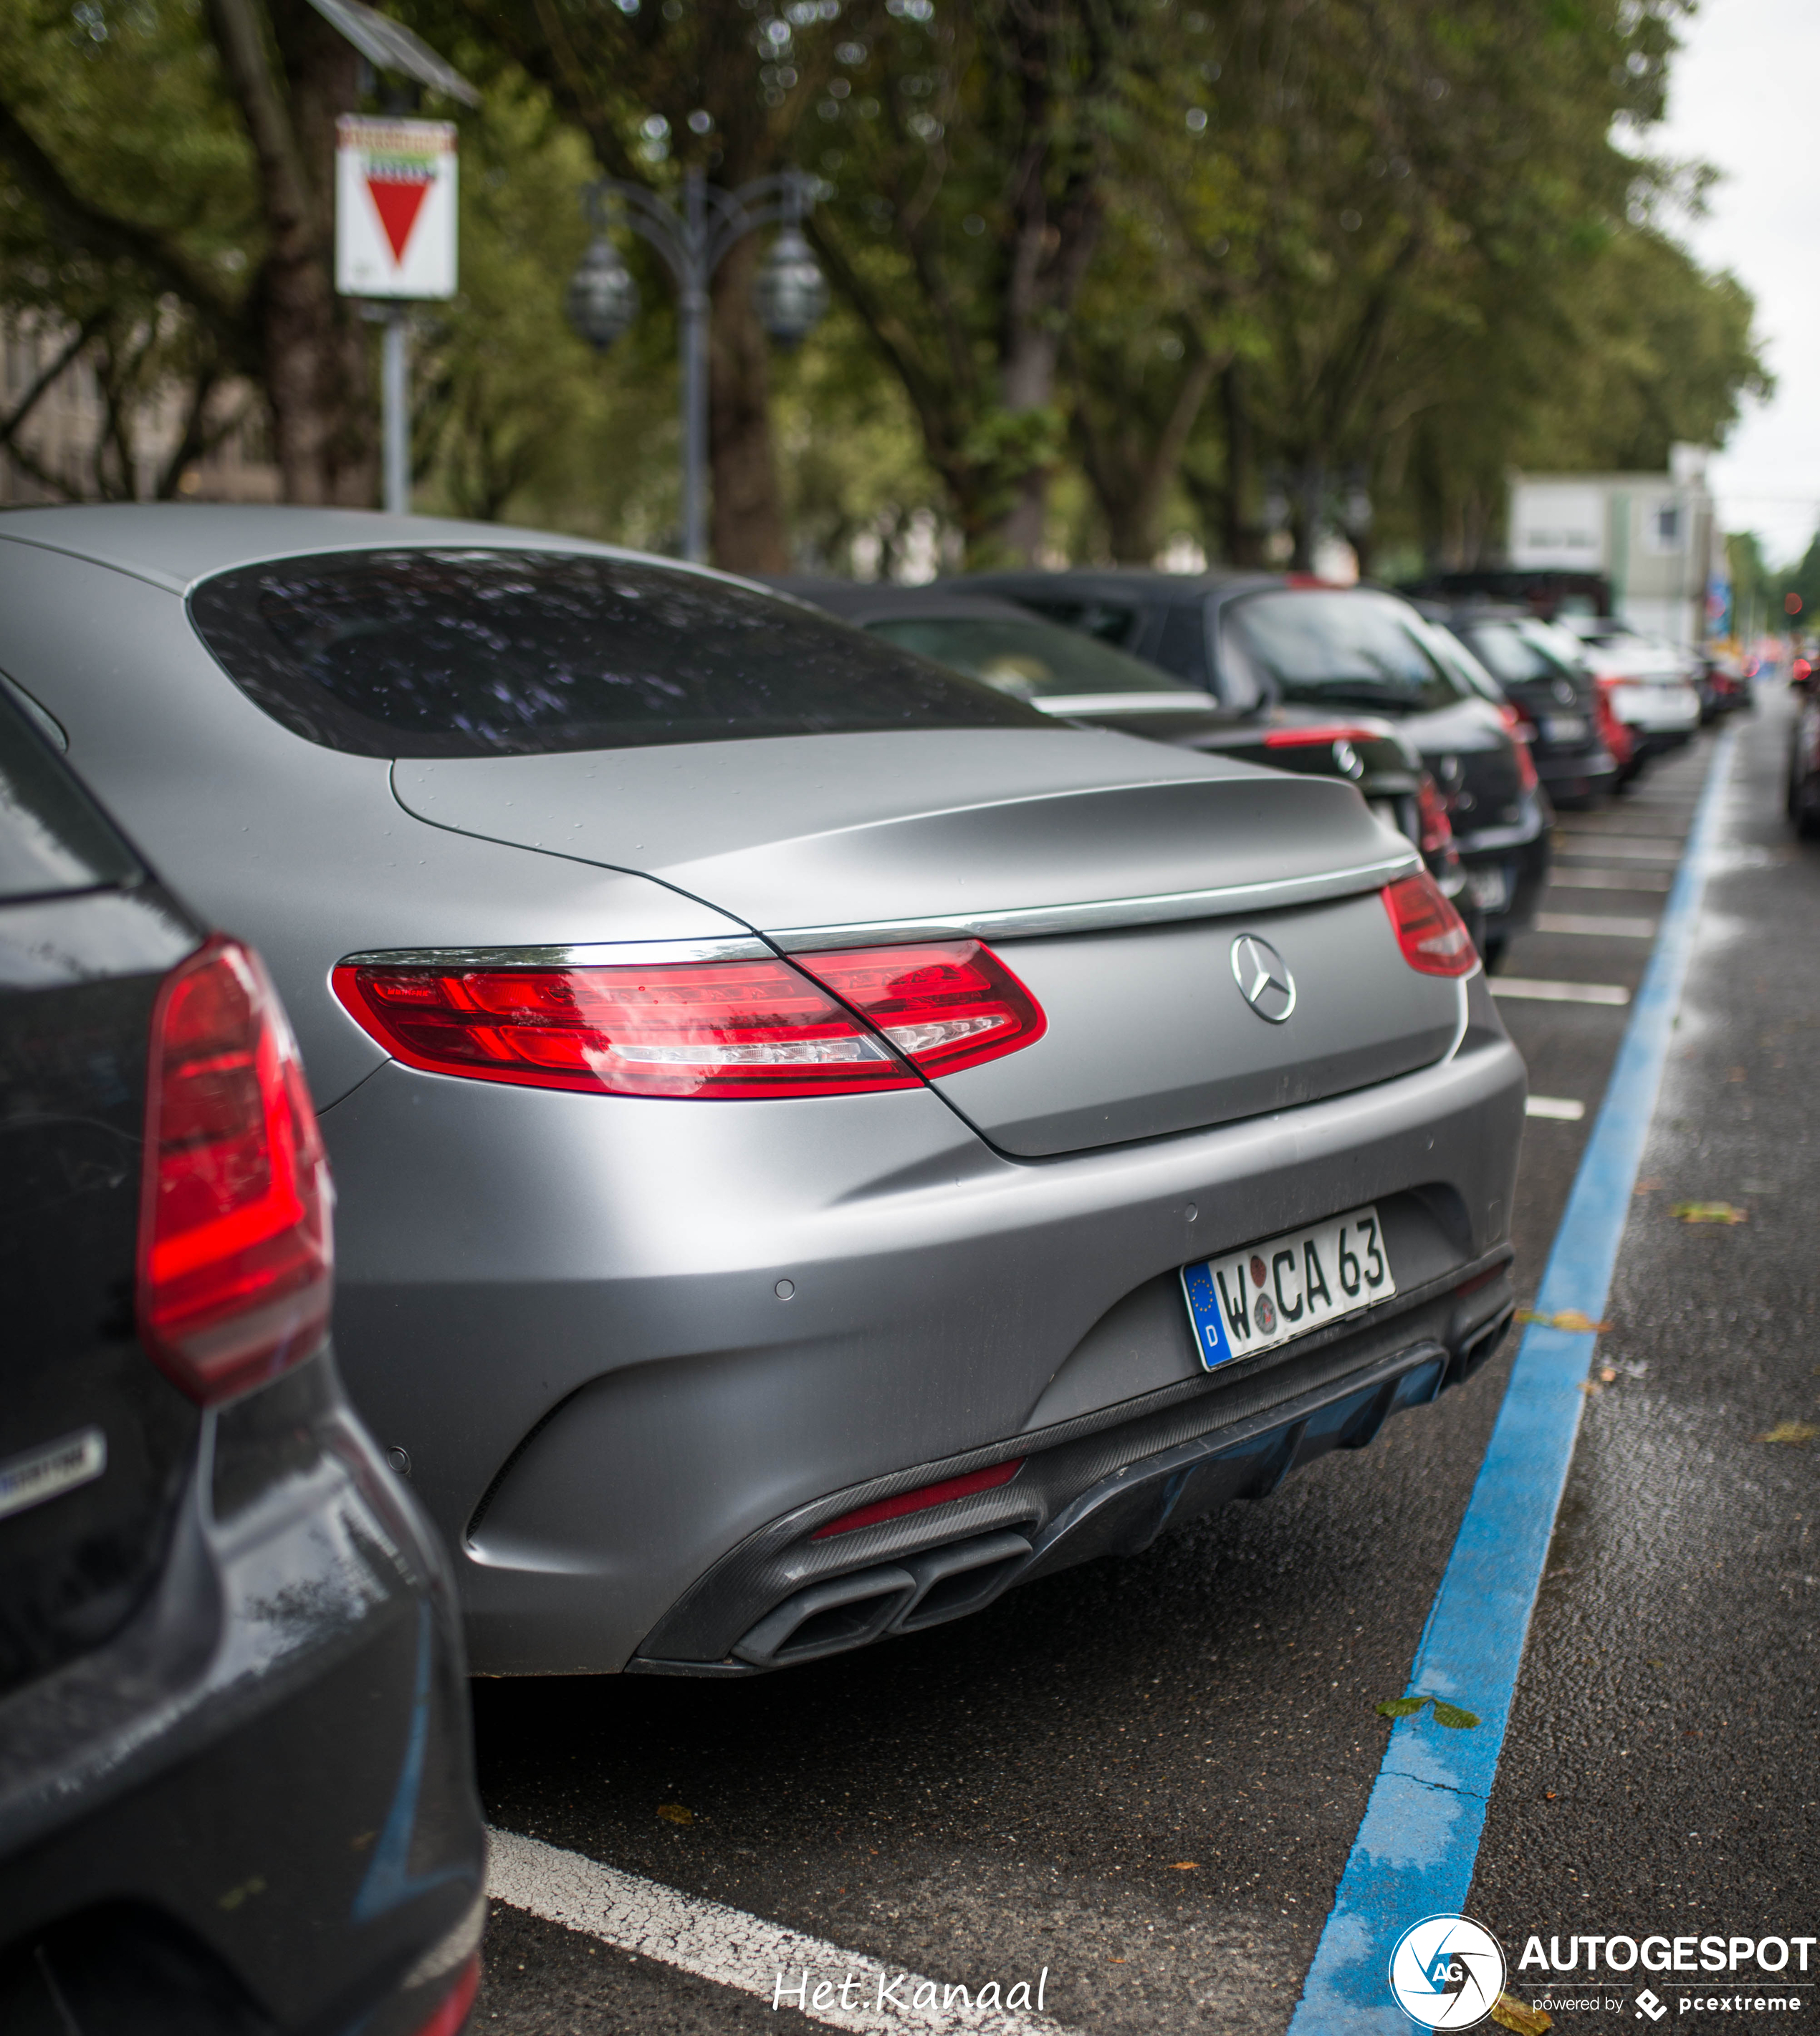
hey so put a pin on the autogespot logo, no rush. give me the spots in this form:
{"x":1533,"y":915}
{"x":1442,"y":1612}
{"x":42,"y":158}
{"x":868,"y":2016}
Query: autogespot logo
{"x":1447,"y":1972}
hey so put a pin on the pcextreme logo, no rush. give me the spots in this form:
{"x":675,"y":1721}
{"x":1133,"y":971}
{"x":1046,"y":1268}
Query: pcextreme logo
{"x":1447,"y":1972}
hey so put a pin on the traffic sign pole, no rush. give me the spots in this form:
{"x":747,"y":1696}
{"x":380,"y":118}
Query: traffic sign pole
{"x":394,"y":243}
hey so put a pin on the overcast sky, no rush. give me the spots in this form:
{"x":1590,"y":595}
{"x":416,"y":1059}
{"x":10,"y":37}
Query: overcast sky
{"x":1744,"y":92}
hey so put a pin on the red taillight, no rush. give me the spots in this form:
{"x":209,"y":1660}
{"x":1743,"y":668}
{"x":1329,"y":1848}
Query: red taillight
{"x":449,"y":2017}
{"x":1431,"y":810}
{"x":1432,"y":934}
{"x":920,"y":1500}
{"x":1525,"y":777}
{"x":945,"y":1006}
{"x":1800,"y":670}
{"x":235,"y":1250}
{"x":1299,"y":738}
{"x":704,"y":1030}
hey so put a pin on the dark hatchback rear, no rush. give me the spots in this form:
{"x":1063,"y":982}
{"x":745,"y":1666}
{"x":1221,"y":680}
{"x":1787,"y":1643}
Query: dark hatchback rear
{"x":1554,"y":695}
{"x":1078,"y":677}
{"x":1261,"y":642}
{"x":234,"y":1787}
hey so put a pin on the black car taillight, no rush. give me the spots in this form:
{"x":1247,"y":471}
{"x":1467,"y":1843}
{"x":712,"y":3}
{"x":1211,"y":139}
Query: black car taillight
{"x":1432,"y":935}
{"x":1431,"y":809}
{"x":235,"y":1253}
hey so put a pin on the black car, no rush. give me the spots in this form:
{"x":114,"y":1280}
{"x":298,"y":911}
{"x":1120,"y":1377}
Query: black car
{"x":236,"y":1792}
{"x":1079,"y":678}
{"x":1262,"y":642}
{"x":1804,"y":752}
{"x":1554,"y":696}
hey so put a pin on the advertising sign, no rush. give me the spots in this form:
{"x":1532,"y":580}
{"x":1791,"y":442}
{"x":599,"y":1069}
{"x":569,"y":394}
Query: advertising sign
{"x":395,"y":208}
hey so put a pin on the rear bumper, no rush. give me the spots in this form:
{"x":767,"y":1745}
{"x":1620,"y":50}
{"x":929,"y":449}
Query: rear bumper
{"x":1522,"y":857}
{"x":1573,"y":775}
{"x":785,"y":1596}
{"x":253,"y":1807}
{"x":620,"y":1337}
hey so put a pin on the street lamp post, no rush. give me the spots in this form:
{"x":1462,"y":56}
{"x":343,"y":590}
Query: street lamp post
{"x":791,"y":292}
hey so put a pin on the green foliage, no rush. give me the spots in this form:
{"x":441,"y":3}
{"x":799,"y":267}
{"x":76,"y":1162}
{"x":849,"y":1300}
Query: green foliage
{"x":1450,"y":1715}
{"x":516,"y":419}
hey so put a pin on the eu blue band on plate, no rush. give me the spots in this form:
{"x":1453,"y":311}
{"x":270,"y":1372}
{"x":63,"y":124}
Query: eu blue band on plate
{"x":1204,"y":1313}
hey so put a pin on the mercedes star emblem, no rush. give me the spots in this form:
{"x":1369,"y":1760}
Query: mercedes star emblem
{"x":1263,"y":977}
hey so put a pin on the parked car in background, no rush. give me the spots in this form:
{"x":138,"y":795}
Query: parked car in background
{"x":1553,"y":696}
{"x":1649,"y":681}
{"x":235,"y":1796}
{"x":820,"y":1141}
{"x":1079,"y":678}
{"x":1803,"y":800}
{"x":1723,"y":681}
{"x":1258,"y":642}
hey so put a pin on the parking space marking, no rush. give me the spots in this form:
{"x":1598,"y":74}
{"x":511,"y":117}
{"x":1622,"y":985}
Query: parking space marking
{"x":1623,"y":849}
{"x":1610,"y":880}
{"x":1567,"y":1108}
{"x":1558,"y":993}
{"x":1599,"y":926}
{"x":1418,"y":1842}
{"x":710,"y":1941}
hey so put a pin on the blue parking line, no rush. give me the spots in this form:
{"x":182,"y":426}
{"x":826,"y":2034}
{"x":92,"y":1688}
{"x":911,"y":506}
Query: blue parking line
{"x":1414,"y":1854}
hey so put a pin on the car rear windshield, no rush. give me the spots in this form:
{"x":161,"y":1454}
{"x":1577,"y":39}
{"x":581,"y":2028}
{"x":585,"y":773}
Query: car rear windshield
{"x":1334,"y":647}
{"x":1029,"y":660}
{"x":53,"y":840}
{"x":426,"y":652}
{"x":1515,"y":652}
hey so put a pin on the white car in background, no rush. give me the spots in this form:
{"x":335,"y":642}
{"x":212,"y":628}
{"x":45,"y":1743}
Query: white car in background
{"x":1648,"y":680}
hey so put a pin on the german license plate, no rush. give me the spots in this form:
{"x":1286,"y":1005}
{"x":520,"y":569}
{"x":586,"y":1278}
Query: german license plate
{"x":1489,"y":888}
{"x":1270,"y":1293}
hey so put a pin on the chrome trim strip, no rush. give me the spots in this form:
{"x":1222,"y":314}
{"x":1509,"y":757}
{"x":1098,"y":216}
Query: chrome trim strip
{"x":599,"y":954}
{"x":1104,"y":914}
{"x":1155,"y":703}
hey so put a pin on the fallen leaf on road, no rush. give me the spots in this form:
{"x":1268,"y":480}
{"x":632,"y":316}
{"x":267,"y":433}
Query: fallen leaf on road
{"x":1790,"y":1431}
{"x":1508,"y":2012}
{"x":1607,"y":1376}
{"x":1450,"y":1715}
{"x":674,"y":1813}
{"x":1708,"y":1212}
{"x":1185,"y":1866}
{"x":1564,"y":1318}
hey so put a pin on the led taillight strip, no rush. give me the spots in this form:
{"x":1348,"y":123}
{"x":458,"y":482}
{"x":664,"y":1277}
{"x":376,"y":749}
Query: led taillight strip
{"x":841,"y":1023}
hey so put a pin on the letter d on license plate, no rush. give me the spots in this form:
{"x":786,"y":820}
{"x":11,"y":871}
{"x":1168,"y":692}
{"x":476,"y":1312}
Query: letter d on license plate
{"x":1270,"y":1293}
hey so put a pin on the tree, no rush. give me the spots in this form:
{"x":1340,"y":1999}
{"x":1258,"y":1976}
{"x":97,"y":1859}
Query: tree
{"x":190,"y":163}
{"x":713,"y":84}
{"x":972,"y":142}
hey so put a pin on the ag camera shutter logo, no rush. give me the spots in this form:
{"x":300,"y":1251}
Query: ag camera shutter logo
{"x":1447,"y":1972}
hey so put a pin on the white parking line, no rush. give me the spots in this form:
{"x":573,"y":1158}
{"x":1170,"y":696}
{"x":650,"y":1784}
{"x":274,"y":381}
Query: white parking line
{"x":1559,"y":993}
{"x":1563,"y":1107}
{"x":1595,"y":923}
{"x":1610,"y":880}
{"x":1622,"y":851}
{"x":732,"y":1949}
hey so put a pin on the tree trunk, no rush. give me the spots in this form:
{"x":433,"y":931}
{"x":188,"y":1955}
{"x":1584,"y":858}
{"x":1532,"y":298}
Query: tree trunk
{"x":316,"y":359}
{"x":746,"y":522}
{"x":1243,"y":539}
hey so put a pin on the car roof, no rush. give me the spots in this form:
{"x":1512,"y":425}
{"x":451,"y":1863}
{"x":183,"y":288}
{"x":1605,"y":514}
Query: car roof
{"x":882,"y":602}
{"x":173,"y":544}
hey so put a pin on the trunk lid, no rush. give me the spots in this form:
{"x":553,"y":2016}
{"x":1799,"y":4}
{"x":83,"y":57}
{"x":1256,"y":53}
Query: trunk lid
{"x":1113,"y":877}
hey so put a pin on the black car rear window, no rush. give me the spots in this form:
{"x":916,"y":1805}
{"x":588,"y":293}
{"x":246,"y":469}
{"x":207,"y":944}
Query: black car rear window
{"x":478,"y":653}
{"x":53,"y":838}
{"x":1338,"y":647}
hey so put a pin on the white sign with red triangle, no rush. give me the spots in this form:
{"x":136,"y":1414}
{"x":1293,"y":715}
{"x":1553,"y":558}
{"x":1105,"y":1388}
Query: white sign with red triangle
{"x":395,"y":208}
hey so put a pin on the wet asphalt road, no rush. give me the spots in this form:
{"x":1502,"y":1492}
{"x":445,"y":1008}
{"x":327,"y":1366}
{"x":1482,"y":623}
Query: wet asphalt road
{"x":1145,"y":1775}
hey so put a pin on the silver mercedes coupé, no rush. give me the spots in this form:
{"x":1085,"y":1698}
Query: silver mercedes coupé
{"x":819,"y":1141}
